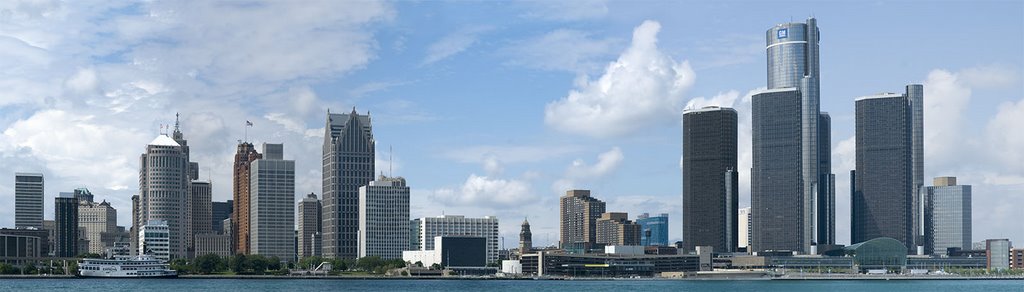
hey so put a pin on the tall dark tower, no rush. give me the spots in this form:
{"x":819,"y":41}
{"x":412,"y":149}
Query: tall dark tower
{"x":348,"y":155}
{"x":710,"y":179}
{"x":525,"y":238}
{"x":245,"y":154}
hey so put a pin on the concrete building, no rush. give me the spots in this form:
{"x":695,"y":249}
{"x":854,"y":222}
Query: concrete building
{"x":51,"y":228}
{"x":947,"y":216}
{"x":99,"y":223}
{"x":525,"y":237}
{"x":1017,"y":258}
{"x":457,"y":225}
{"x":42,"y":234}
{"x":997,"y":254}
{"x":66,"y":220}
{"x":310,"y":221}
{"x":653,"y":229}
{"x":606,"y":265}
{"x":164,"y":190}
{"x":155,"y":240}
{"x":201,"y":207}
{"x":348,"y":156}
{"x":578,"y":214}
{"x":28,"y":200}
{"x":414,"y":234}
{"x":20,"y":249}
{"x":825,"y":212}
{"x":787,"y":174}
{"x":245,"y":154}
{"x":710,"y":178}
{"x":451,"y":251}
{"x":884,"y":202}
{"x":218,"y":212}
{"x":614,"y":228}
{"x":212,"y":243}
{"x":383,"y":215}
{"x":743,"y":239}
{"x":272,"y":205}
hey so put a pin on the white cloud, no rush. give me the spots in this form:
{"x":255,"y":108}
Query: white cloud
{"x":567,"y":10}
{"x":1006,"y":138}
{"x":580,"y":171}
{"x":722,"y":99}
{"x":946,"y":98}
{"x":562,"y":50}
{"x":991,"y":76}
{"x":487,"y":192}
{"x":453,"y":44}
{"x":643,"y":87}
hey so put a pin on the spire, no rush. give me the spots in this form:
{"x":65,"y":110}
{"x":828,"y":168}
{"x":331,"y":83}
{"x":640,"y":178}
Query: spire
{"x":177,"y":124}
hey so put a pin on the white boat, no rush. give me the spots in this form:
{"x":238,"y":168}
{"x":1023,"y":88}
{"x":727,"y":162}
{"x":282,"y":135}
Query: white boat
{"x":137,"y":267}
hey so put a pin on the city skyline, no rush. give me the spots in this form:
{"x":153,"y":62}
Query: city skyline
{"x":511,"y":123}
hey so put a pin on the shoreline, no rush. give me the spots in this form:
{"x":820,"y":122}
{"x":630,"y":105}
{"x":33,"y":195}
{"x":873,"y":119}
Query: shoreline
{"x":385,"y":278}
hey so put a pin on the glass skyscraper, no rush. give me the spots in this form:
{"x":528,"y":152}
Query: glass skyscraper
{"x":348,"y":155}
{"x":710,"y":201}
{"x":653,"y":230}
{"x":791,"y":190}
{"x":884,"y":199}
{"x":947,"y":216}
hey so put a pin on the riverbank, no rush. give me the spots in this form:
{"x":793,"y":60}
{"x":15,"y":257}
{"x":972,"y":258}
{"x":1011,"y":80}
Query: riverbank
{"x":804,"y":277}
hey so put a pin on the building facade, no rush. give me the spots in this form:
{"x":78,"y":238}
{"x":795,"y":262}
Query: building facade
{"x":65,"y":217}
{"x":383,"y":215}
{"x":743,"y":239}
{"x":884,"y":203}
{"x":614,"y":228}
{"x":219,"y":211}
{"x":457,"y":225}
{"x":525,"y":237}
{"x":155,"y":240}
{"x":997,"y":254}
{"x":309,"y":225}
{"x":653,"y":229}
{"x":200,"y":211}
{"x":578,"y":214}
{"x":825,"y":201}
{"x":245,"y":154}
{"x":272,"y":205}
{"x":99,"y":222}
{"x":947,"y":216}
{"x":28,"y":200}
{"x":164,"y":189}
{"x":348,"y":157}
{"x":212,"y":243}
{"x":709,"y":173}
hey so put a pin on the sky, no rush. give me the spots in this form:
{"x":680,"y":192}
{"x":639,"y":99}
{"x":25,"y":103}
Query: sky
{"x":492,"y":107}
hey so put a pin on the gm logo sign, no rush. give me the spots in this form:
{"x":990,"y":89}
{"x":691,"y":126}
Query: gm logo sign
{"x":782,"y":33}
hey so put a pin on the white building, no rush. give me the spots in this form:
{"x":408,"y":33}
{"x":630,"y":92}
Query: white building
{"x":154,"y":240}
{"x":163,"y":191}
{"x":96,"y":220}
{"x":456,"y":225}
{"x":511,"y":267}
{"x":272,"y":205}
{"x":384,"y":218}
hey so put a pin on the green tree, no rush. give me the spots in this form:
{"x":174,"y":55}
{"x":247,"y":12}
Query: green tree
{"x":240,"y":264}
{"x":369,"y":264}
{"x":8,"y":269}
{"x":435,"y":266}
{"x":258,"y":264}
{"x":90,"y":256}
{"x":419,"y":264}
{"x":207,"y":264}
{"x":31,"y":269}
{"x":181,"y":265}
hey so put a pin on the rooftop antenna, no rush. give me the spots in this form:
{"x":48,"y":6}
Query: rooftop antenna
{"x":176,"y":123}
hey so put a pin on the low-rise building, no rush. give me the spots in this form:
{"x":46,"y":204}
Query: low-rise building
{"x":212,"y":243}
{"x":451,"y":251}
{"x":605,"y":265}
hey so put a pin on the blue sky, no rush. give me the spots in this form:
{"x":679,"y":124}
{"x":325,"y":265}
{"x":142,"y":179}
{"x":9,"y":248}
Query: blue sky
{"x":491,"y":108}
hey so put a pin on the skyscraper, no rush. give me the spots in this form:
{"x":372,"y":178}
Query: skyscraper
{"x":614,"y":228}
{"x":163,"y":190}
{"x":578,"y":214}
{"x":383,"y":215}
{"x":825,"y":221}
{"x":787,"y":163}
{"x":65,"y":216}
{"x":98,"y":221}
{"x":272,"y":205}
{"x":525,"y":237}
{"x":653,"y":229}
{"x":309,"y":225}
{"x":201,"y":196}
{"x":947,"y":216}
{"x":28,"y":200}
{"x":244,"y":155}
{"x":348,"y":155}
{"x":710,"y":178}
{"x":218,"y":212}
{"x":884,"y":203}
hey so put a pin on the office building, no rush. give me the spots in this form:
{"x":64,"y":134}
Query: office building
{"x":744,"y":228}
{"x":1017,"y":258}
{"x":578,"y":214}
{"x":164,"y":190}
{"x":997,"y":254}
{"x":414,"y":234}
{"x":309,"y":225}
{"x":28,"y":200}
{"x":348,"y":156}
{"x":383,"y":215}
{"x":614,"y":228}
{"x":244,"y":155}
{"x":218,"y":212}
{"x":884,"y":203}
{"x":212,"y":243}
{"x":20,"y":249}
{"x":42,"y":234}
{"x":825,"y":201}
{"x":83,"y":194}
{"x":66,"y":220}
{"x":99,"y":223}
{"x":653,"y":230}
{"x":947,"y":216}
{"x":525,"y":237}
{"x":155,"y":240}
{"x":457,"y":225}
{"x":710,"y":179}
{"x":272,"y":205}
{"x":201,"y":207}
{"x":452,"y":251}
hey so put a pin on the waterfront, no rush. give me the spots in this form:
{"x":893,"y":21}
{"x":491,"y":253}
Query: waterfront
{"x":80,"y":284}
